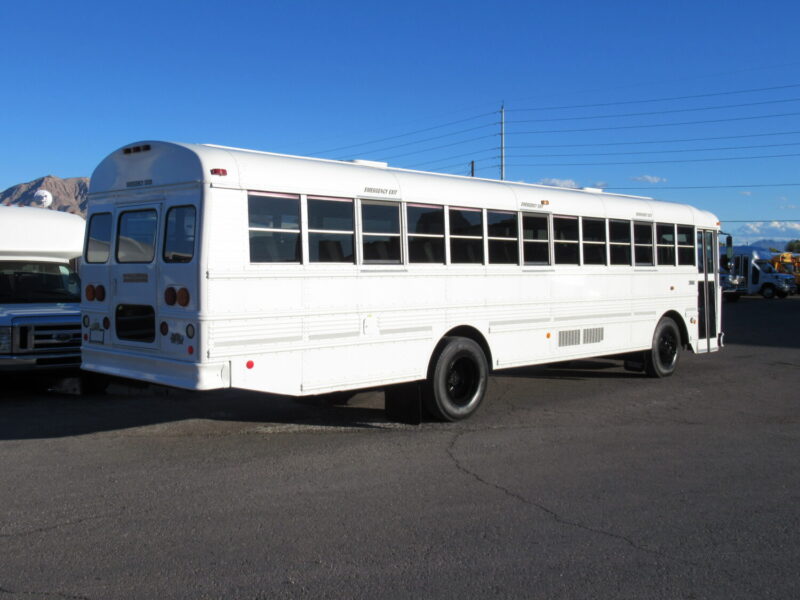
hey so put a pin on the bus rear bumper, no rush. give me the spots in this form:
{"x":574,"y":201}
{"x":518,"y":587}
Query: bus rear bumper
{"x":175,"y":373}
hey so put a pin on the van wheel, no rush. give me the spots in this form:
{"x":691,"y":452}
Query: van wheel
{"x":458,"y":380}
{"x":768,"y":292}
{"x":662,"y":359}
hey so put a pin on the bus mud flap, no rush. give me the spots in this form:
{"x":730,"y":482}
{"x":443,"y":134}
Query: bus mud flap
{"x":404,"y":403}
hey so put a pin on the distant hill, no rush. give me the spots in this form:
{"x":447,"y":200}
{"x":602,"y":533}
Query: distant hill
{"x":768,"y":243}
{"x":69,"y":195}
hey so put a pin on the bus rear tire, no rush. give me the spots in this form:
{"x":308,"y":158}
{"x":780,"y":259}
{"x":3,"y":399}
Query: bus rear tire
{"x":662,"y":359}
{"x":458,"y":380}
{"x":768,"y":292}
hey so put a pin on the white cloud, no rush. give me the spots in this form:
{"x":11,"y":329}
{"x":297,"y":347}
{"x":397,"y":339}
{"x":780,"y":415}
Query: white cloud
{"x":746,"y":193}
{"x":649,"y":179}
{"x":565,"y":183}
{"x":779,"y":230}
{"x":600,"y":184}
{"x":788,"y":206}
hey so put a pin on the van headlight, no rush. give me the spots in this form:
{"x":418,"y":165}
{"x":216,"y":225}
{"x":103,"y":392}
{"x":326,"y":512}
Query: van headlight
{"x":5,"y":340}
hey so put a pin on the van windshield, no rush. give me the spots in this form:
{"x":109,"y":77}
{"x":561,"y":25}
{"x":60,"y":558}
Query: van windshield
{"x":38,"y":282}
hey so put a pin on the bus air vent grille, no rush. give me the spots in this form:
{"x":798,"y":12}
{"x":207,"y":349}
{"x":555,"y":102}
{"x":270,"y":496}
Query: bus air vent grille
{"x":569,"y":338}
{"x":593,"y":336}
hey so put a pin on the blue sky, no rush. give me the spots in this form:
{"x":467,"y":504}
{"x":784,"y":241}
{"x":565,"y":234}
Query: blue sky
{"x":338,"y":79}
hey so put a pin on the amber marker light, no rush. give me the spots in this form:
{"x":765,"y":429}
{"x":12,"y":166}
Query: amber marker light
{"x":183,"y":297}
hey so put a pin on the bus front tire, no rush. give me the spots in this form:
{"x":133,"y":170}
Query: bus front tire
{"x":457,"y":383}
{"x":662,"y":359}
{"x":768,"y":292}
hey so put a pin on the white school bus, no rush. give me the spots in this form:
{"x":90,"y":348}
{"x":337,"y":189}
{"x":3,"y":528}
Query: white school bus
{"x":211,"y":267}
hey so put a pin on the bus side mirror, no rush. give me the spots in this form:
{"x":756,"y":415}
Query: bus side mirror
{"x":729,"y":251}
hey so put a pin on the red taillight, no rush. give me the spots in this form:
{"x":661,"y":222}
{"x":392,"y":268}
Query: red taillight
{"x":183,"y":297}
{"x":100,"y":293}
{"x":219,"y":172}
{"x":170,"y":296}
{"x":89,"y":292}
{"x":106,"y":323}
{"x":164,"y":328}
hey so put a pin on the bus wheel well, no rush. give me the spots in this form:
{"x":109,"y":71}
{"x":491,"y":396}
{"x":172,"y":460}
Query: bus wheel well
{"x":464,"y":331}
{"x":681,"y":326}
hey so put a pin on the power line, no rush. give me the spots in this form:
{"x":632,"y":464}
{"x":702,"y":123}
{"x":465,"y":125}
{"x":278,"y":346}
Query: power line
{"x":617,"y":127}
{"x":471,"y":154}
{"x":701,"y":139}
{"x":394,"y":137}
{"x":483,"y":137}
{"x":658,"y":112}
{"x":653,"y":162}
{"x":709,"y":95}
{"x":430,"y":139}
{"x":681,"y":150}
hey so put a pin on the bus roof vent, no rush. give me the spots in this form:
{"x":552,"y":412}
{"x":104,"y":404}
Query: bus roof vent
{"x":369,"y":163}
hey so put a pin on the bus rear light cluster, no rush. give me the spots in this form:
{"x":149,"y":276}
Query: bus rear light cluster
{"x":93,"y":292}
{"x":180,"y":297}
{"x":221,"y":172}
{"x":136,"y":149}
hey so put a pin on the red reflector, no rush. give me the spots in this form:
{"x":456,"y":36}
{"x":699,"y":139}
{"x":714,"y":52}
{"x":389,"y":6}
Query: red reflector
{"x":219,"y":171}
{"x":250,"y":364}
{"x":106,"y":323}
{"x":191,"y":349}
{"x":164,"y":328}
{"x":100,"y":293}
{"x":85,"y":338}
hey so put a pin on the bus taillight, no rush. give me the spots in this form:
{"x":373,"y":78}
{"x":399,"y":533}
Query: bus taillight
{"x":183,"y":297}
{"x":170,"y":296}
{"x":90,"y":292}
{"x":100,"y":293}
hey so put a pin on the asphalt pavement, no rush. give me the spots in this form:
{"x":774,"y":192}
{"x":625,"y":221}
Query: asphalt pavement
{"x":578,"y":480}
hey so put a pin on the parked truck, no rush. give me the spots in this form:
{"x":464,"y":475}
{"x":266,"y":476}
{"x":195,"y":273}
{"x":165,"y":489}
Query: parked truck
{"x":40,"y":329}
{"x":789,"y":263}
{"x":756,"y":275}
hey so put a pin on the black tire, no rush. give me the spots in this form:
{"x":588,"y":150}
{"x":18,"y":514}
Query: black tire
{"x":662,"y":359}
{"x":768,"y":292}
{"x":458,"y":380}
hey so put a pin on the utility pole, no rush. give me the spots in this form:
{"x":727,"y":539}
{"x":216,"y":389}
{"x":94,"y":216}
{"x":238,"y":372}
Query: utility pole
{"x":472,"y":168}
{"x":502,"y":141}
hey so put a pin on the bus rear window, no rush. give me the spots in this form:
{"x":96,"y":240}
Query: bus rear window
{"x":179,"y":238}
{"x":136,"y":236}
{"x":99,"y":238}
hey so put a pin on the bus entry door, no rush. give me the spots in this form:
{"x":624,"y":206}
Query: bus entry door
{"x":707,"y":291}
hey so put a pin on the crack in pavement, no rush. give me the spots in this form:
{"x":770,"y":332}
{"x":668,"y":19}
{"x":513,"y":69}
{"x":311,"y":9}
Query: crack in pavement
{"x":58,"y":526}
{"x":39,"y":594}
{"x":556,"y":517}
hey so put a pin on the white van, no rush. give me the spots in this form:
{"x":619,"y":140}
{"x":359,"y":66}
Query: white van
{"x":40,"y":327}
{"x":757,"y":276}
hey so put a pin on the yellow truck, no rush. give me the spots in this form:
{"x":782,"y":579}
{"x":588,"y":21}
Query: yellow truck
{"x":789,"y":263}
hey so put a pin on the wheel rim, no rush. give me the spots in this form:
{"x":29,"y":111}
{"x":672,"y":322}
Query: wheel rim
{"x":668,"y":348}
{"x":462,"y":381}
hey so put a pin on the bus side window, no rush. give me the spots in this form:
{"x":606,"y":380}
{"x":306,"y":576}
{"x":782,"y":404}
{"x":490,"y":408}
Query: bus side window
{"x":535,"y":239}
{"x":619,"y":233}
{"x":643,"y":244}
{"x":565,"y":236}
{"x":274,"y":228}
{"x":466,"y":235}
{"x":594,"y":241}
{"x":330,"y":230}
{"x":503,"y":232}
{"x":380,"y":237}
{"x":425,"y":233}
{"x":665,"y":244}
{"x":685,"y":245}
